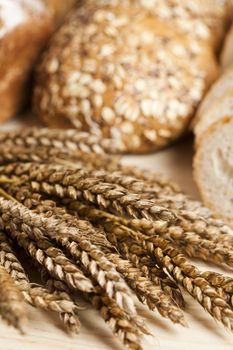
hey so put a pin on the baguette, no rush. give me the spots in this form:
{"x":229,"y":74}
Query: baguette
{"x":213,"y":161}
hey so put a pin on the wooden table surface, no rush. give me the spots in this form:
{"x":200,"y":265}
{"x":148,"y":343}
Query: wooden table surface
{"x":45,"y":332}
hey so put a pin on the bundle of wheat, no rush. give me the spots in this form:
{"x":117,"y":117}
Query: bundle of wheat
{"x":93,"y":228}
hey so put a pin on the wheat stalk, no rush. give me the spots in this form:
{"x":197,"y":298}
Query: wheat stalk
{"x":71,"y":159}
{"x":196,"y":218}
{"x":117,"y":228}
{"x":59,"y":302}
{"x":139,"y":283}
{"x":92,"y":259}
{"x":167,"y":193}
{"x":136,"y":280}
{"x":76,"y":184}
{"x":51,"y":258}
{"x":127,"y":329}
{"x":190,"y":278}
{"x":144,"y":288}
{"x":71,"y":140}
{"x":38,"y":296}
{"x":11,"y":263}
{"x":185,"y":274}
{"x":196,"y":246}
{"x":12,"y":308}
{"x":223,"y":283}
{"x":190,"y":242}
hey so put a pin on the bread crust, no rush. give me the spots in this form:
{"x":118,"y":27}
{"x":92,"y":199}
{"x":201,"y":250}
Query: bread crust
{"x":122,"y":78}
{"x":227,"y":51}
{"x":214,"y":113}
{"x":221,"y":87}
{"x":16,"y":56}
{"x":21,"y":21}
{"x":198,"y":164}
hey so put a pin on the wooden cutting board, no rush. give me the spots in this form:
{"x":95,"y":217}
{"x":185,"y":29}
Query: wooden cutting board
{"x":45,"y":332}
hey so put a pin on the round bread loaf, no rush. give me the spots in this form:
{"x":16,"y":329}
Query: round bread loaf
{"x":116,"y":70}
{"x":213,"y":162}
{"x":204,"y":20}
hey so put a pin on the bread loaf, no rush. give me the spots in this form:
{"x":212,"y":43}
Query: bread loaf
{"x":227,"y":51}
{"x":25,"y":26}
{"x":117,"y":70}
{"x":213,"y":162}
{"x":204,"y":20}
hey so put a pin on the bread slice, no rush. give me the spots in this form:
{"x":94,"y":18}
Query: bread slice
{"x":213,"y":168}
{"x":223,"y":106}
{"x":214,"y":95}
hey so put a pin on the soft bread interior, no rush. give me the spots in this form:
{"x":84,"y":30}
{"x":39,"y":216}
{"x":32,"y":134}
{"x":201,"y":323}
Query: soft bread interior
{"x":214,"y":169}
{"x":222,"y":107}
{"x":218,"y":89}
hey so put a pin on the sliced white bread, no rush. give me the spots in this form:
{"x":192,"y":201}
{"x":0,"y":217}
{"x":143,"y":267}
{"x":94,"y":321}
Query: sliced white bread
{"x":216,"y":92}
{"x":221,"y":107}
{"x":213,"y":161}
{"x":213,"y":168}
{"x":227,"y":51}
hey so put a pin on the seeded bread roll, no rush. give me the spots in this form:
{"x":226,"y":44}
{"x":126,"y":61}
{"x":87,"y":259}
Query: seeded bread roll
{"x":25,"y":26}
{"x":204,"y":20}
{"x":213,"y":162}
{"x":227,"y":52}
{"x":116,"y":70}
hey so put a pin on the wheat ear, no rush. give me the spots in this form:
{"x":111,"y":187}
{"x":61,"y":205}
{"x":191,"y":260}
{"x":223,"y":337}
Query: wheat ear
{"x":71,"y":140}
{"x":12,"y":308}
{"x":51,"y":258}
{"x":75,"y":184}
{"x":90,"y":257}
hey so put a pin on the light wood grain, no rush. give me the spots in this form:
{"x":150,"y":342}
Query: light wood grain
{"x":45,"y":332}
